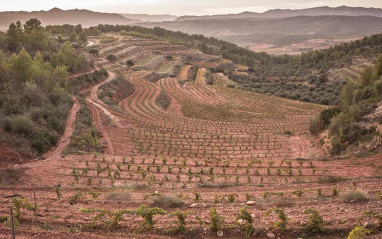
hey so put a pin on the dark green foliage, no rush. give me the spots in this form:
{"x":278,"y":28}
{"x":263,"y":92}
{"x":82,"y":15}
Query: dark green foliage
{"x":163,"y":101}
{"x":359,"y":99}
{"x":111,"y":58}
{"x":292,"y":88}
{"x":321,"y":122}
{"x":94,"y":51}
{"x":84,"y":82}
{"x":129,"y":63}
{"x":116,"y":90}
{"x":37,"y":113}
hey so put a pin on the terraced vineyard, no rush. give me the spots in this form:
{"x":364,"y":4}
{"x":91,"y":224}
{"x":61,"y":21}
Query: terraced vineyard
{"x":213,"y":146}
{"x":220,"y":79}
{"x":353,"y":72}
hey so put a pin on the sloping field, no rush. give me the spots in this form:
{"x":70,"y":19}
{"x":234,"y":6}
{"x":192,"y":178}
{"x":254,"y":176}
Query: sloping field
{"x":214,"y":146}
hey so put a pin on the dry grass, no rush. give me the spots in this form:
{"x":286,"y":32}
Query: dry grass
{"x":354,"y":195}
{"x":118,"y":196}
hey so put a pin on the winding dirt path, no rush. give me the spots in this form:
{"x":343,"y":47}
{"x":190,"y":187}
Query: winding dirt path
{"x":69,"y":129}
{"x":97,"y":107}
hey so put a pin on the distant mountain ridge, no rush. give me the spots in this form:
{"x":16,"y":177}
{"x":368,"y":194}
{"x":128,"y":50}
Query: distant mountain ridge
{"x":150,"y":18}
{"x":277,"y":13}
{"x":57,"y":16}
{"x":278,"y":31}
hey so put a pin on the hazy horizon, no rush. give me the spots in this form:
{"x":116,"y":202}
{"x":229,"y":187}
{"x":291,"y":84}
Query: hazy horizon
{"x":181,"y":7}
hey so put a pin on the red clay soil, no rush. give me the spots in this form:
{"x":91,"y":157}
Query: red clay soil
{"x":8,"y":156}
{"x":152,"y":150}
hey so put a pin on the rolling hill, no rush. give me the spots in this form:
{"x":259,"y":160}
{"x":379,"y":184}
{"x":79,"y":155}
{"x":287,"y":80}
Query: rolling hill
{"x":150,"y":18}
{"x":278,"y":31}
{"x":276,"y":13}
{"x":57,"y":16}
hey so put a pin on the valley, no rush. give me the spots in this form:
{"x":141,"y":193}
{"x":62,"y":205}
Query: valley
{"x":176,"y":134}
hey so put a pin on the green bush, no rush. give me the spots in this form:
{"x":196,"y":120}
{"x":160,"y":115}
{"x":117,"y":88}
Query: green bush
{"x":316,"y":223}
{"x":43,"y":140}
{"x":244,"y":215}
{"x":163,"y":101}
{"x":21,"y":125}
{"x":282,"y":224}
{"x":358,"y":232}
{"x":217,"y":221}
{"x":322,"y":121}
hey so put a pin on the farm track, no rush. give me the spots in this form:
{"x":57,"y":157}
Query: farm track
{"x":69,"y":129}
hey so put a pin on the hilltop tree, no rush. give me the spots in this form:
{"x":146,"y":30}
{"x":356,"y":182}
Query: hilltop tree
{"x":31,"y":25}
{"x":111,"y":58}
{"x":78,"y":29}
{"x":379,"y":66}
{"x":82,"y":37}
{"x":67,"y":56}
{"x":21,"y":66}
{"x":369,"y":76}
{"x":72,"y":37}
{"x":14,"y":34}
{"x":130,"y":63}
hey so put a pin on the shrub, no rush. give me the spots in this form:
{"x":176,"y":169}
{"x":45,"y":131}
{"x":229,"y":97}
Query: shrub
{"x":370,"y":214}
{"x":335,"y":192}
{"x":358,"y":232}
{"x":111,"y":58}
{"x":167,"y":201}
{"x":247,"y":218}
{"x":217,"y":221}
{"x":316,"y":223}
{"x":331,"y":179}
{"x":42,"y":142}
{"x":282,"y":224}
{"x":163,"y":101}
{"x":113,"y":217}
{"x":321,"y":122}
{"x":3,"y":218}
{"x":231,"y":197}
{"x":129,"y":63}
{"x":94,"y":51}
{"x":147,"y":214}
{"x":19,"y":203}
{"x":21,"y":125}
{"x":9,"y":177}
{"x":180,"y":224}
{"x":354,"y":195}
{"x":118,"y":196}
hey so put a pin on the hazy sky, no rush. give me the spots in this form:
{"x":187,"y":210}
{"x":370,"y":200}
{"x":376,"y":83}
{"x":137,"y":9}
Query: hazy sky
{"x":179,"y":7}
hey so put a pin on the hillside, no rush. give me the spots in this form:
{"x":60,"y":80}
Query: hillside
{"x":165,"y":146}
{"x":57,"y":16}
{"x":278,"y":31}
{"x":150,"y":18}
{"x":277,"y":13}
